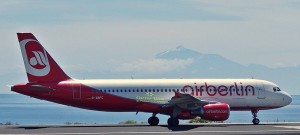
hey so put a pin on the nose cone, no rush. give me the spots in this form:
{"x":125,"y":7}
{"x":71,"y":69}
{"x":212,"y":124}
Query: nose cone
{"x":287,"y":98}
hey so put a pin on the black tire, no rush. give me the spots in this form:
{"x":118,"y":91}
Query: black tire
{"x":153,"y":121}
{"x":255,"y":121}
{"x":173,"y":122}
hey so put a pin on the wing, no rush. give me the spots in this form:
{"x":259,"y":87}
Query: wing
{"x":185,"y":102}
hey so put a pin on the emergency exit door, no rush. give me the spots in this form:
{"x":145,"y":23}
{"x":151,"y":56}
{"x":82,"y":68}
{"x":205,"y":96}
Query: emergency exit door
{"x":76,"y":91}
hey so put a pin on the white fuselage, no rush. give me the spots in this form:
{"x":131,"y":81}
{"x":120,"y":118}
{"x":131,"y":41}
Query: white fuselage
{"x":240,"y":94}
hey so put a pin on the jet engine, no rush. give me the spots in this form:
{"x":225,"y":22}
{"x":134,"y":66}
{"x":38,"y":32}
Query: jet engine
{"x":213,"y":112}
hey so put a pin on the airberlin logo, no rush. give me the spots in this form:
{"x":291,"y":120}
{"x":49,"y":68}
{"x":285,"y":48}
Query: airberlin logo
{"x":35,"y":57}
{"x":38,"y":60}
{"x":235,"y":89}
{"x":216,"y":111}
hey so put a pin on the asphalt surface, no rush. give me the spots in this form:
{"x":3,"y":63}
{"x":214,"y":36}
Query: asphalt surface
{"x":205,"y":129}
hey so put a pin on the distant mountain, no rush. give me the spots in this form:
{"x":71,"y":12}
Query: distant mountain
{"x":179,"y":52}
{"x":203,"y":66}
{"x":201,"y":61}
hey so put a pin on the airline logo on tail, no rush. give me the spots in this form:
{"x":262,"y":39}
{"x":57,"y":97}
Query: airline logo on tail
{"x":35,"y":57}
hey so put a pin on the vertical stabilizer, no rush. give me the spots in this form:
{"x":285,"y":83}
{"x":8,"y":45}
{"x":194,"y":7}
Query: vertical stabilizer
{"x":40,"y":66}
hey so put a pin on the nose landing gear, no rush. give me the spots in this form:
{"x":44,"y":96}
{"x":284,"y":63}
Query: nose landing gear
{"x":255,"y":120}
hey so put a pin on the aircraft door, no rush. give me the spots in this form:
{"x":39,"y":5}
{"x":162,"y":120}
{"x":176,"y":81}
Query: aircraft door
{"x":76,"y":90}
{"x":261,"y":91}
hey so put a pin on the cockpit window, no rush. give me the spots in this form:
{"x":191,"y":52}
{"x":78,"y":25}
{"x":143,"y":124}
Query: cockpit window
{"x":276,"y":89}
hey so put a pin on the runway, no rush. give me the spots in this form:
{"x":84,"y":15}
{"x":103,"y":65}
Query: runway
{"x":207,"y":129}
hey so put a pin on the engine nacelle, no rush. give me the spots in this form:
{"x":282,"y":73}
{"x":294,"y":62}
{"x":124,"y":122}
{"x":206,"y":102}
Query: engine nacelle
{"x":213,"y":112}
{"x":185,"y":115}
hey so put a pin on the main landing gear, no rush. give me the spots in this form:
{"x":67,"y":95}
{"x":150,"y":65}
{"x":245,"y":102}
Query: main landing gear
{"x":173,"y":122}
{"x":255,"y":120}
{"x":153,"y":121}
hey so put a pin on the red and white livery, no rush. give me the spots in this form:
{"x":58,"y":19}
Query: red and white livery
{"x":210,"y":99}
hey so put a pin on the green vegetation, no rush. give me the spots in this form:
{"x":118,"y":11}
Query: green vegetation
{"x":9,"y":123}
{"x":129,"y":122}
{"x":74,"y":123}
{"x":199,"y":120}
{"x":144,"y":123}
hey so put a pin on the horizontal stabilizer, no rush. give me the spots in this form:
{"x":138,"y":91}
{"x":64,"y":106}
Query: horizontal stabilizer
{"x":40,"y":88}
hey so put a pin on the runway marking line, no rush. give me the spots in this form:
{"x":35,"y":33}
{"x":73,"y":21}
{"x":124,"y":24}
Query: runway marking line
{"x":293,"y":127}
{"x":169,"y":132}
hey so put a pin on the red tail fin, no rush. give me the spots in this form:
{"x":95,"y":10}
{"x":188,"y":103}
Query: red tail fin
{"x":40,"y":66}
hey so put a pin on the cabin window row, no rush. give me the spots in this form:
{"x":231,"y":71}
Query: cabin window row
{"x":157,"y":90}
{"x":142,"y":90}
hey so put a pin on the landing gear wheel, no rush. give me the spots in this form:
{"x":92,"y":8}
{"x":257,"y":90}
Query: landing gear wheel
{"x":255,"y":121}
{"x":153,"y":121}
{"x":173,"y":122}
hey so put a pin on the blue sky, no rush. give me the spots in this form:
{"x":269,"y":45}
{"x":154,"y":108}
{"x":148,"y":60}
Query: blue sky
{"x":87,"y":35}
{"x":61,"y":12}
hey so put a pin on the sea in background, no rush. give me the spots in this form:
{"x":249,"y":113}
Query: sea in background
{"x":20,"y":109}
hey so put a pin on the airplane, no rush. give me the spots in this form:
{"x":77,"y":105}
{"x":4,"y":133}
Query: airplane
{"x":210,"y":99}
